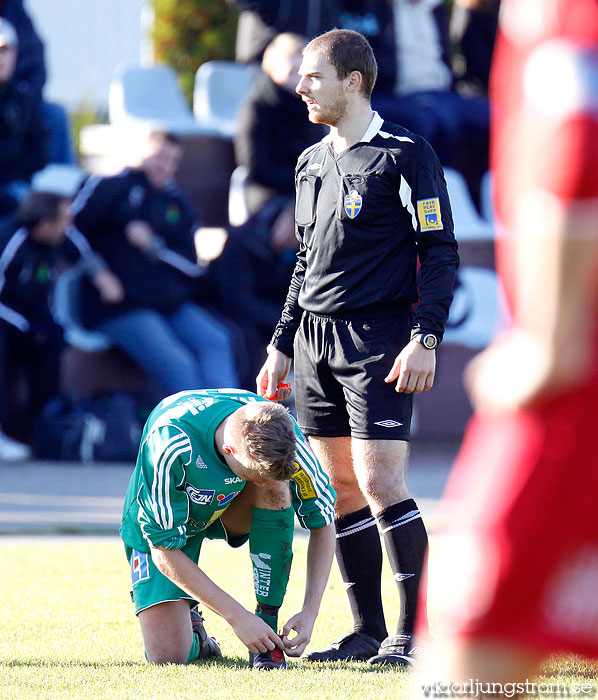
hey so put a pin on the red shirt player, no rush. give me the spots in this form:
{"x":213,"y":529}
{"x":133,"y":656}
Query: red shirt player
{"x":519,"y":561}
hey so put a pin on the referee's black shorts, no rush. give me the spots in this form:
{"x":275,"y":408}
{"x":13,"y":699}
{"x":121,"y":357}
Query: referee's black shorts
{"x":340,"y":366}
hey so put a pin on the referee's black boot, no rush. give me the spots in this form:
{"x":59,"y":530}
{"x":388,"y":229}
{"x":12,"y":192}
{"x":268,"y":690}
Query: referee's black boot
{"x":355,"y":646}
{"x":396,"y":650}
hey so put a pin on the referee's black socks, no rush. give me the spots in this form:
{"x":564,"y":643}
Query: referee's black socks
{"x":406,"y":544}
{"x":359,"y":556}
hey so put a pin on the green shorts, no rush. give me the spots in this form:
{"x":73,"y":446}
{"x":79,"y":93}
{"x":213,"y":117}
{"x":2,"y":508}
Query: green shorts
{"x":151,"y":587}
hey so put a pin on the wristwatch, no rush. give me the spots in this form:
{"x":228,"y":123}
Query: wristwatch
{"x":428,"y":340}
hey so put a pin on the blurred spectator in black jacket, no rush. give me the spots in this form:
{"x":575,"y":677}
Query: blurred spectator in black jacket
{"x":374,"y":19}
{"x":31,"y":67}
{"x":143,"y":228}
{"x":31,"y":71}
{"x":31,"y":341}
{"x":273,"y":126}
{"x":251,"y":276}
{"x":473,"y":28}
{"x":23,"y":142}
{"x":261,"y":20}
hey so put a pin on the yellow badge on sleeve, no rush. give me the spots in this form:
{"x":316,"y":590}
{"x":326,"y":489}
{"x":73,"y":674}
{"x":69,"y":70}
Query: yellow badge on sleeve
{"x":303,"y":481}
{"x":428,"y":212}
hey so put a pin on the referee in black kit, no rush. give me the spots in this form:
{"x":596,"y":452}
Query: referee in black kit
{"x":371,"y":200}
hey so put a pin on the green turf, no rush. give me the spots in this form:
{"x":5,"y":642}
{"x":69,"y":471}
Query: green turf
{"x":68,"y":631}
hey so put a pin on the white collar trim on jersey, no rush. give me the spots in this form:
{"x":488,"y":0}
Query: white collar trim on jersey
{"x":373,"y":128}
{"x":370,"y":132}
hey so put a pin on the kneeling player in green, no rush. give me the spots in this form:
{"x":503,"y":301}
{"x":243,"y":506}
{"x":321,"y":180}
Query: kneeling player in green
{"x":217,"y":464}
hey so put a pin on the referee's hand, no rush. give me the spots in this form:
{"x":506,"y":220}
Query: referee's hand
{"x":271,"y":380}
{"x":413,"y":369}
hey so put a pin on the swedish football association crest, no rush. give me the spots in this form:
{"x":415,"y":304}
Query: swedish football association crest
{"x":353,"y":202}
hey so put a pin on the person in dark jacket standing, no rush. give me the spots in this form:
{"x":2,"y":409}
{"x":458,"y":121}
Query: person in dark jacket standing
{"x":261,"y":20}
{"x":371,"y":202}
{"x":273,"y":130}
{"x":31,"y":64}
{"x":31,"y":72}
{"x":23,"y":139}
{"x":142,"y":226}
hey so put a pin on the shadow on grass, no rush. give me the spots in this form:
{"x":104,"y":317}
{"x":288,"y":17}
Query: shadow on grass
{"x":323,"y":667}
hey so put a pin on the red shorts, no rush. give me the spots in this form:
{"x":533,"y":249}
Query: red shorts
{"x":518,"y":558}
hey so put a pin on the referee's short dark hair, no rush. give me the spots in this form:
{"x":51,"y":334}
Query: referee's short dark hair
{"x":347,"y":51}
{"x":38,"y":206}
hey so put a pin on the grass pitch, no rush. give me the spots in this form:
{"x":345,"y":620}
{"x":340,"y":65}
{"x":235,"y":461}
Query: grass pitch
{"x":69,"y":631}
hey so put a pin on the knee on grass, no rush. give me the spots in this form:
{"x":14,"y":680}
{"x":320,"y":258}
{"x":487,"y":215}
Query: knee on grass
{"x":168,"y":655}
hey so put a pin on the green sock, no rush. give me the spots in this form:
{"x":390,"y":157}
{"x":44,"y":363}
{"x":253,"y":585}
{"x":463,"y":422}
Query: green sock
{"x":194,"y":651}
{"x":271,"y":551}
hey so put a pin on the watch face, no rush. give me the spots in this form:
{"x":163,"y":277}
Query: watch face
{"x":430,"y":341}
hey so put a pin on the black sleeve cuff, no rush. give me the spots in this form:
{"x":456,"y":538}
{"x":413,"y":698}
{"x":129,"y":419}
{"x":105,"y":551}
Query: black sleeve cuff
{"x":283,"y":343}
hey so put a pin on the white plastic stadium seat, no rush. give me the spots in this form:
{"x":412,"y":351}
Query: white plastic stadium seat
{"x":469,"y":225}
{"x":150,"y":96}
{"x":67,"y":312}
{"x":219,"y":90}
{"x":476,"y":311}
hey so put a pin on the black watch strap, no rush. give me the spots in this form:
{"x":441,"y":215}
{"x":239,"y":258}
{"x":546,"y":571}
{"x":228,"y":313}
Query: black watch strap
{"x":428,"y":340}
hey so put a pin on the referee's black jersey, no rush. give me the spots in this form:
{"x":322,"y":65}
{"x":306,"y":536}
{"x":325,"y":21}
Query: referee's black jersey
{"x":363,"y":218}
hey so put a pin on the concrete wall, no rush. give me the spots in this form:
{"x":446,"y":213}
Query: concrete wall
{"x":85,"y":41}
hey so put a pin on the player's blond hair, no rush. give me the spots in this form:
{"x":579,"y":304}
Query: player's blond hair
{"x":266,"y":432}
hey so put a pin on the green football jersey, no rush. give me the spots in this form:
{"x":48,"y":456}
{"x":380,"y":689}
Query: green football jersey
{"x":181,"y":485}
